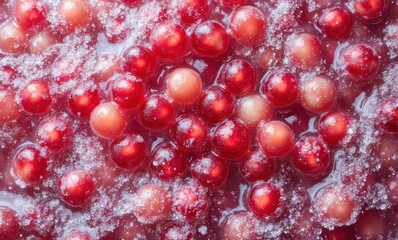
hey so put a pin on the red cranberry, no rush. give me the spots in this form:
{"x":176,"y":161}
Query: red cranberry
{"x":240,"y":226}
{"x":339,"y":233}
{"x":9,"y":223}
{"x":130,"y":228}
{"x":388,"y":115}
{"x":129,"y":2}
{"x":371,"y":225}
{"x":76,"y":187}
{"x":116,"y":29}
{"x":54,"y":133}
{"x":73,"y":14}
{"x":13,"y":38}
{"x":334,"y":126}
{"x":231,"y":139}
{"x":157,"y":112}
{"x":336,"y":22}
{"x":359,"y":62}
{"x":9,"y":108}
{"x":36,"y":97}
{"x":41,"y":221}
{"x":317,"y":94}
{"x":253,"y":109}
{"x":169,"y":41}
{"x":193,"y":10}
{"x":106,"y":65}
{"x":83,"y":99}
{"x":128,"y":91}
{"x":128,"y":151}
{"x":304,"y":50}
{"x":152,"y":204}
{"x":209,"y":39}
{"x":265,"y":200}
{"x":275,"y":138}
{"x":216,"y":104}
{"x":167,"y":162}
{"x":257,"y":167}
{"x":29,"y":13}
{"x":190,"y":132}
{"x":311,"y":157}
{"x":184,"y":85}
{"x":392,"y":188}
{"x":176,"y":231}
{"x":29,"y":164}
{"x":78,"y":236}
{"x":247,"y":25}
{"x":65,"y":69}
{"x":190,"y":202}
{"x":281,"y":88}
{"x":107,"y":120}
{"x":139,"y":61}
{"x":370,"y":10}
{"x":387,"y":152}
{"x":239,"y":76}
{"x":211,"y":171}
{"x":41,"y":42}
{"x":231,"y":3}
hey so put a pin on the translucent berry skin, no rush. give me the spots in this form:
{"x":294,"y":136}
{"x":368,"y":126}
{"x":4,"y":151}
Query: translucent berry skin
{"x":184,"y":85}
{"x":211,"y":171}
{"x":83,"y":99}
{"x":209,"y":39}
{"x":29,"y":164}
{"x":239,"y":76}
{"x":108,"y":120}
{"x":156,"y":112}
{"x":304,"y":50}
{"x":240,"y":226}
{"x":247,"y":25}
{"x":370,"y":10}
{"x":73,"y":14}
{"x":167,"y":162}
{"x":264,"y":200}
{"x":191,"y":11}
{"x":190,"y":132}
{"x":10,"y":110}
{"x":76,"y":188}
{"x":333,"y":126}
{"x":339,"y":233}
{"x":371,"y":224}
{"x":311,"y":157}
{"x":9,"y":223}
{"x":336,"y":22}
{"x":169,"y":41}
{"x":128,"y":91}
{"x":388,"y":115}
{"x":281,"y":88}
{"x":216,"y":104}
{"x":30,"y":13}
{"x":36,"y":97}
{"x":129,"y":151}
{"x":253,"y":109}
{"x":139,"y":61}
{"x":275,"y":138}
{"x":256,"y":167}
{"x":231,"y":139}
{"x":13,"y":38}
{"x":54,"y":133}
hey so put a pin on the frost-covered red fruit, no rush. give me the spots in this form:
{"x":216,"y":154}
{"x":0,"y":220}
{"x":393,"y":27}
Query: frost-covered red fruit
{"x":190,"y":132}
{"x":128,"y":151}
{"x":231,"y":139}
{"x":66,"y":68}
{"x":209,"y":39}
{"x":210,"y":170}
{"x":256,"y":166}
{"x":215,"y":104}
{"x":78,"y":236}
{"x":247,"y":25}
{"x":167,"y":162}
{"x":29,"y":164}
{"x":76,"y":188}
{"x":190,"y":201}
{"x":281,"y":88}
{"x":30,"y":13}
{"x":36,"y":97}
{"x":40,"y":220}
{"x":240,"y":226}
{"x":107,"y":120}
{"x":157,"y":112}
{"x":128,"y":91}
{"x":184,"y":85}
{"x":41,"y":42}
{"x":54,"y":133}
{"x":139,"y":61}
{"x":317,"y":94}
{"x":191,"y":11}
{"x":239,"y":76}
{"x":371,"y":224}
{"x":339,"y":233}
{"x":392,"y":189}
{"x":334,"y":126}
{"x":311,"y":157}
{"x":73,"y":14}
{"x":169,"y":41}
{"x":304,"y":50}
{"x":177,"y":231}
{"x":265,"y":200}
{"x":275,"y":138}
{"x":388,"y":115}
{"x":370,"y":10}
{"x":9,"y":223}
{"x":13,"y":38}
{"x":83,"y":99}
{"x":253,"y":109}
{"x":10,"y":110}
{"x":152,"y":203}
{"x":106,"y":65}
{"x":336,"y":22}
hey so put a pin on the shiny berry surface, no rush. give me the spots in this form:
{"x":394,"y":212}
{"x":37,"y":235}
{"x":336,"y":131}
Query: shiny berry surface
{"x":128,"y":91}
{"x":167,"y":162}
{"x":129,"y":151}
{"x":76,"y":188}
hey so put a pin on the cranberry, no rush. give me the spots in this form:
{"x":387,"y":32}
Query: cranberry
{"x":231,"y":3}
{"x":107,"y":120}
{"x":54,"y":133}
{"x":116,"y":29}
{"x":239,"y":76}
{"x":76,"y":188}
{"x":78,"y":236}
{"x":336,"y":22}
{"x":231,"y":139}
{"x":216,"y":104}
{"x":371,"y":225}
{"x":29,"y":164}
{"x":370,"y":10}
{"x":41,"y":42}
{"x":129,"y":151}
{"x":106,"y":65}
{"x":41,"y":221}
{"x":359,"y":62}
{"x":9,"y":223}
{"x":190,"y":132}
{"x":139,"y":61}
{"x":190,"y":201}
{"x":392,"y":188}
{"x":128,"y":91}
{"x":36,"y":97}
{"x":211,"y":171}
{"x":304,"y":50}
{"x":253,"y":109}
{"x":240,"y":226}
{"x":339,"y":233}
{"x":176,"y":231}
{"x":256,"y":166}
{"x":281,"y":88}
{"x":334,"y":126}
{"x":209,"y":39}
{"x":130,"y":228}
{"x":167,"y":162}
{"x":311,"y":157}
{"x":265,"y":200}
{"x":184,"y":85}
{"x":157,"y":112}
{"x":275,"y":138}
{"x":30,"y":13}
{"x":388,"y":115}
{"x":83,"y":99}
{"x":9,"y":108}
{"x":65,"y":69}
{"x":152,"y":204}
{"x":317,"y":94}
{"x":129,"y":2}
{"x":193,"y":10}
{"x":169,"y":41}
{"x":73,"y":14}
{"x":13,"y":38}
{"x":247,"y":25}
